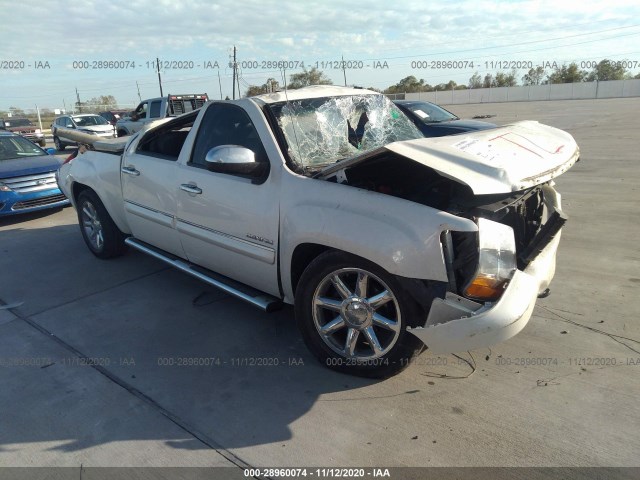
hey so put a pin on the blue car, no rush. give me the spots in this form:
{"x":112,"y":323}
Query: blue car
{"x":27,"y":177}
{"x":434,"y":121}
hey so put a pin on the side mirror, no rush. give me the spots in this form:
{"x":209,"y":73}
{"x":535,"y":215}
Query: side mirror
{"x":235,"y":159}
{"x":133,"y":116}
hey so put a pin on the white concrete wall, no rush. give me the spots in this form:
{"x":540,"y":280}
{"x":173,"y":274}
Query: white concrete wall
{"x":560,"y":91}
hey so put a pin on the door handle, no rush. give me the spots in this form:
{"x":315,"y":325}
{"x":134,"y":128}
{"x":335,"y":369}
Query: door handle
{"x":130,"y":170}
{"x":188,"y":187}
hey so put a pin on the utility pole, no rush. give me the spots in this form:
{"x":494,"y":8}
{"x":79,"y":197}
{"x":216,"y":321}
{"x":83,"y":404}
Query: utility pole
{"x":139,"y":97}
{"x":39,"y":119}
{"x":79,"y":104}
{"x":235,"y":65}
{"x":344,"y":72}
{"x":238,"y":80}
{"x":159,"y":79}
{"x":219,"y":84}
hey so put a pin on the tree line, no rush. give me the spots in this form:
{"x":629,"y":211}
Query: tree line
{"x":604,"y":70}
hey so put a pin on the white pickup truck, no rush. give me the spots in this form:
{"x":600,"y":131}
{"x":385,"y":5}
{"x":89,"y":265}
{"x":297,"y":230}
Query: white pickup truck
{"x":328,"y":198}
{"x":154,"y":109}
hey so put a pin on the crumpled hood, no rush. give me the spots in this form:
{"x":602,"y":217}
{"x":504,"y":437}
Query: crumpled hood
{"x":500,"y":160}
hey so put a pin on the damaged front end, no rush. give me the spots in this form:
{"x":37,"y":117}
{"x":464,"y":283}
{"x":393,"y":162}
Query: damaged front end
{"x":501,"y":179}
{"x":497,"y":273}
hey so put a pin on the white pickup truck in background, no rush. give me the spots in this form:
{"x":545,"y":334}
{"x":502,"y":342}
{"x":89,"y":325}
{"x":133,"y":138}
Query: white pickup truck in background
{"x":157,"y":108}
{"x":330,"y":199}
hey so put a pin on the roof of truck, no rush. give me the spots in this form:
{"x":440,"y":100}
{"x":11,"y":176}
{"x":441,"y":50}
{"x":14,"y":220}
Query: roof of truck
{"x":313,"y":91}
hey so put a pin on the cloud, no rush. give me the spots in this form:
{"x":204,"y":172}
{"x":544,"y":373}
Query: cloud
{"x":309,"y":31}
{"x":141,"y":27}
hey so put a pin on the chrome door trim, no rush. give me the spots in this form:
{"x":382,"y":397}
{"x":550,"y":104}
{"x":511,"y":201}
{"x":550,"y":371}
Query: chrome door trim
{"x":226,"y":241}
{"x":147,"y":213}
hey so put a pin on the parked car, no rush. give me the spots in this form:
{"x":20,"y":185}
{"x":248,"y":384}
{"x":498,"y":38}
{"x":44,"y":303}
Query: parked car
{"x":383,"y":240}
{"x":24,"y":127}
{"x":27,"y":176}
{"x":112,"y":116}
{"x":154,"y":109}
{"x":435,"y":121}
{"x":86,"y":123}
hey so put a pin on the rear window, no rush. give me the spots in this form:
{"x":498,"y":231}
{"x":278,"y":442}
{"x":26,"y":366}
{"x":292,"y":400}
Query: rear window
{"x":18,"y":122}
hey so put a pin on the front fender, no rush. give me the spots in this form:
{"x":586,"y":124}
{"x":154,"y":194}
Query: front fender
{"x":100,"y":172}
{"x":400,"y":236}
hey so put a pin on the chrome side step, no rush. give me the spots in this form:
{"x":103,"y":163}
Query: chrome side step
{"x":250,"y":295}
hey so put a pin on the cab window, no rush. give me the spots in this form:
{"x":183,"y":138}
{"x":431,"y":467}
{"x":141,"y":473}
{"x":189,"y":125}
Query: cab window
{"x":225,"y":124}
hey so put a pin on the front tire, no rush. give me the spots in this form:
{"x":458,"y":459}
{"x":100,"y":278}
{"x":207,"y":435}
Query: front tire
{"x":353,"y":315}
{"x":59,"y":145}
{"x":100,"y":233}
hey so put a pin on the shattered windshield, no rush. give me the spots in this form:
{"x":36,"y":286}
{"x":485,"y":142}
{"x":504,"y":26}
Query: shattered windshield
{"x":322,"y":131}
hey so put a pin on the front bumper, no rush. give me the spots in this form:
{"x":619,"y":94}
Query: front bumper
{"x":456,"y":324}
{"x":12,"y":203}
{"x":34,"y":137}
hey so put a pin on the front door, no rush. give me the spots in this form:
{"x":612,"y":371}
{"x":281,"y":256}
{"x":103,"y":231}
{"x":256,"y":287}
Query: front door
{"x":229,"y":223}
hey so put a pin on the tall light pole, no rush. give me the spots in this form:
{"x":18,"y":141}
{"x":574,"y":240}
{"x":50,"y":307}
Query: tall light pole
{"x":159,"y":79}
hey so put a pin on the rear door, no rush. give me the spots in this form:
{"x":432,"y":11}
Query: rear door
{"x":229,"y":223}
{"x":149,"y":189}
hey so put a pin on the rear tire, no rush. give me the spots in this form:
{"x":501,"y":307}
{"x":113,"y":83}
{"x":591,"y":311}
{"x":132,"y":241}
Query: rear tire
{"x":100,"y":233}
{"x":353,"y":316}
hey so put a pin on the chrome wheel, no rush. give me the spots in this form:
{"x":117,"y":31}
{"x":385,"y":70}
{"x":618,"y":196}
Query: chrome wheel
{"x":92,"y":226}
{"x":356,"y":314}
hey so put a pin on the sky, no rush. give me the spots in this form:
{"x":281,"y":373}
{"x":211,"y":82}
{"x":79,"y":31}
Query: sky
{"x":47,"y":49}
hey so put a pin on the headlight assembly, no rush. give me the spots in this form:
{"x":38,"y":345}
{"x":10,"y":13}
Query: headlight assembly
{"x":496,"y":262}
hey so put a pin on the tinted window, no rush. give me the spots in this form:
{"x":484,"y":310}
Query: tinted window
{"x":430,"y":113}
{"x":167,"y":141}
{"x":226,"y":125}
{"x":18,"y":122}
{"x":154,"y":109}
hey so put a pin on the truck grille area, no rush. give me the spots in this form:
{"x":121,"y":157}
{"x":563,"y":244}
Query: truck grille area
{"x":31,"y":183}
{"x":525,"y":216}
{"x":524,"y":212}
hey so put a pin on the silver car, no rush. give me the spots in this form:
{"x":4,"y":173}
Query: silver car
{"x":85,"y":123}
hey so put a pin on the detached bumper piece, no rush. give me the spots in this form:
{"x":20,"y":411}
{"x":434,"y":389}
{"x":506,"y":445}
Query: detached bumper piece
{"x":483,"y":327}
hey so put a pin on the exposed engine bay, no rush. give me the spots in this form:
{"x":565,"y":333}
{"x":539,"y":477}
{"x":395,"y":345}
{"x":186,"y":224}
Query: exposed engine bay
{"x":524,"y":211}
